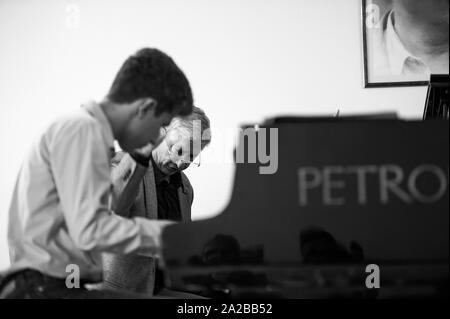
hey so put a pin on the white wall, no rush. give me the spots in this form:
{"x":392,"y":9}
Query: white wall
{"x":246,"y":60}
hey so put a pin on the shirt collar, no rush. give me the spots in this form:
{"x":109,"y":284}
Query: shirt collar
{"x":94,"y":109}
{"x":396,"y":51}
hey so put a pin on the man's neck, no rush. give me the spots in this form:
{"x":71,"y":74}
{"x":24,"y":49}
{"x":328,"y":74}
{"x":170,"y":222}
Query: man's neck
{"x":112,"y":113}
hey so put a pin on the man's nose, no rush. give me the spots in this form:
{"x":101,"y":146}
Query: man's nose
{"x":181,"y":165}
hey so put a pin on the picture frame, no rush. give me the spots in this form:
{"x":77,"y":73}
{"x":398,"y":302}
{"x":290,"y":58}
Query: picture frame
{"x":386,"y":60}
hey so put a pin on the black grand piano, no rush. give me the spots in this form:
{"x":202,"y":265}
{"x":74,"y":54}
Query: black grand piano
{"x":356,"y":208}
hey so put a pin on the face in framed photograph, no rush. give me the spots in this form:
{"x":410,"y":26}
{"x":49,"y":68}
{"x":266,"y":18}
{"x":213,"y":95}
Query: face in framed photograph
{"x":404,"y":41}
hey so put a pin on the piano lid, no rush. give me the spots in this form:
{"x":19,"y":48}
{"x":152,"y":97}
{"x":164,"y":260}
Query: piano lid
{"x":343,"y":192}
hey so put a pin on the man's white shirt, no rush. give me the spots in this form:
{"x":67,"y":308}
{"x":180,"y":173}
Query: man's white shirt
{"x":60,"y":213}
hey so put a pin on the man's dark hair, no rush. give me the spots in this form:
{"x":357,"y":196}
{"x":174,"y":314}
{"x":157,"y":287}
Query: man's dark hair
{"x":152,"y":73}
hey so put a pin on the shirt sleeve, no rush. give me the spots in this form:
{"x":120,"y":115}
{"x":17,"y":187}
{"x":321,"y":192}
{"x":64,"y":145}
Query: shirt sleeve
{"x":81,"y":170}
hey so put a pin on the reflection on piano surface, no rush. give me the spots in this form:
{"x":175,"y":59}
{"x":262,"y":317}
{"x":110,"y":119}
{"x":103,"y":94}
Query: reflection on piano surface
{"x":346,"y":194}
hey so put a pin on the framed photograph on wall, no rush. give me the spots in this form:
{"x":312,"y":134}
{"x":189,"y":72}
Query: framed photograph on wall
{"x":404,"y":41}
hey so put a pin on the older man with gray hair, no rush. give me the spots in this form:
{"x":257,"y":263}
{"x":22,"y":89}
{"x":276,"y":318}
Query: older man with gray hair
{"x":164,"y":193}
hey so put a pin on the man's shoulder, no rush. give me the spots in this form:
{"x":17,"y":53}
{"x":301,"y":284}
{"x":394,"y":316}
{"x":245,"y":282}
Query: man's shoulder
{"x":78,"y":121}
{"x":186,"y":182}
{"x":79,"y":118}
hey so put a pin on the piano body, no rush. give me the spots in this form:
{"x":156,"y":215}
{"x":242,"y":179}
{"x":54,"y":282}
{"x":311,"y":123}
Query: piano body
{"x":348,"y":195}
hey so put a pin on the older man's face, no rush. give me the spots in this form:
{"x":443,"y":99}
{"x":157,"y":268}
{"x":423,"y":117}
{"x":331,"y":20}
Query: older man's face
{"x":176,"y":152}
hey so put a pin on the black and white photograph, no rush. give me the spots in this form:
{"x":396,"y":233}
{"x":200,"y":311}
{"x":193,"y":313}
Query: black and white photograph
{"x":404,"y":41}
{"x":227,"y":157}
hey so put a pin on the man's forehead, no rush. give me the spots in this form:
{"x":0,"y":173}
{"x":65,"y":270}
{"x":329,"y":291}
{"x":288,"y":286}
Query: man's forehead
{"x":180,"y":133}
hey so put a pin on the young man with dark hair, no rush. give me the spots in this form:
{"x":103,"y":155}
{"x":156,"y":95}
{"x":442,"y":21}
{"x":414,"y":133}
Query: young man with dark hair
{"x":60,"y":218}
